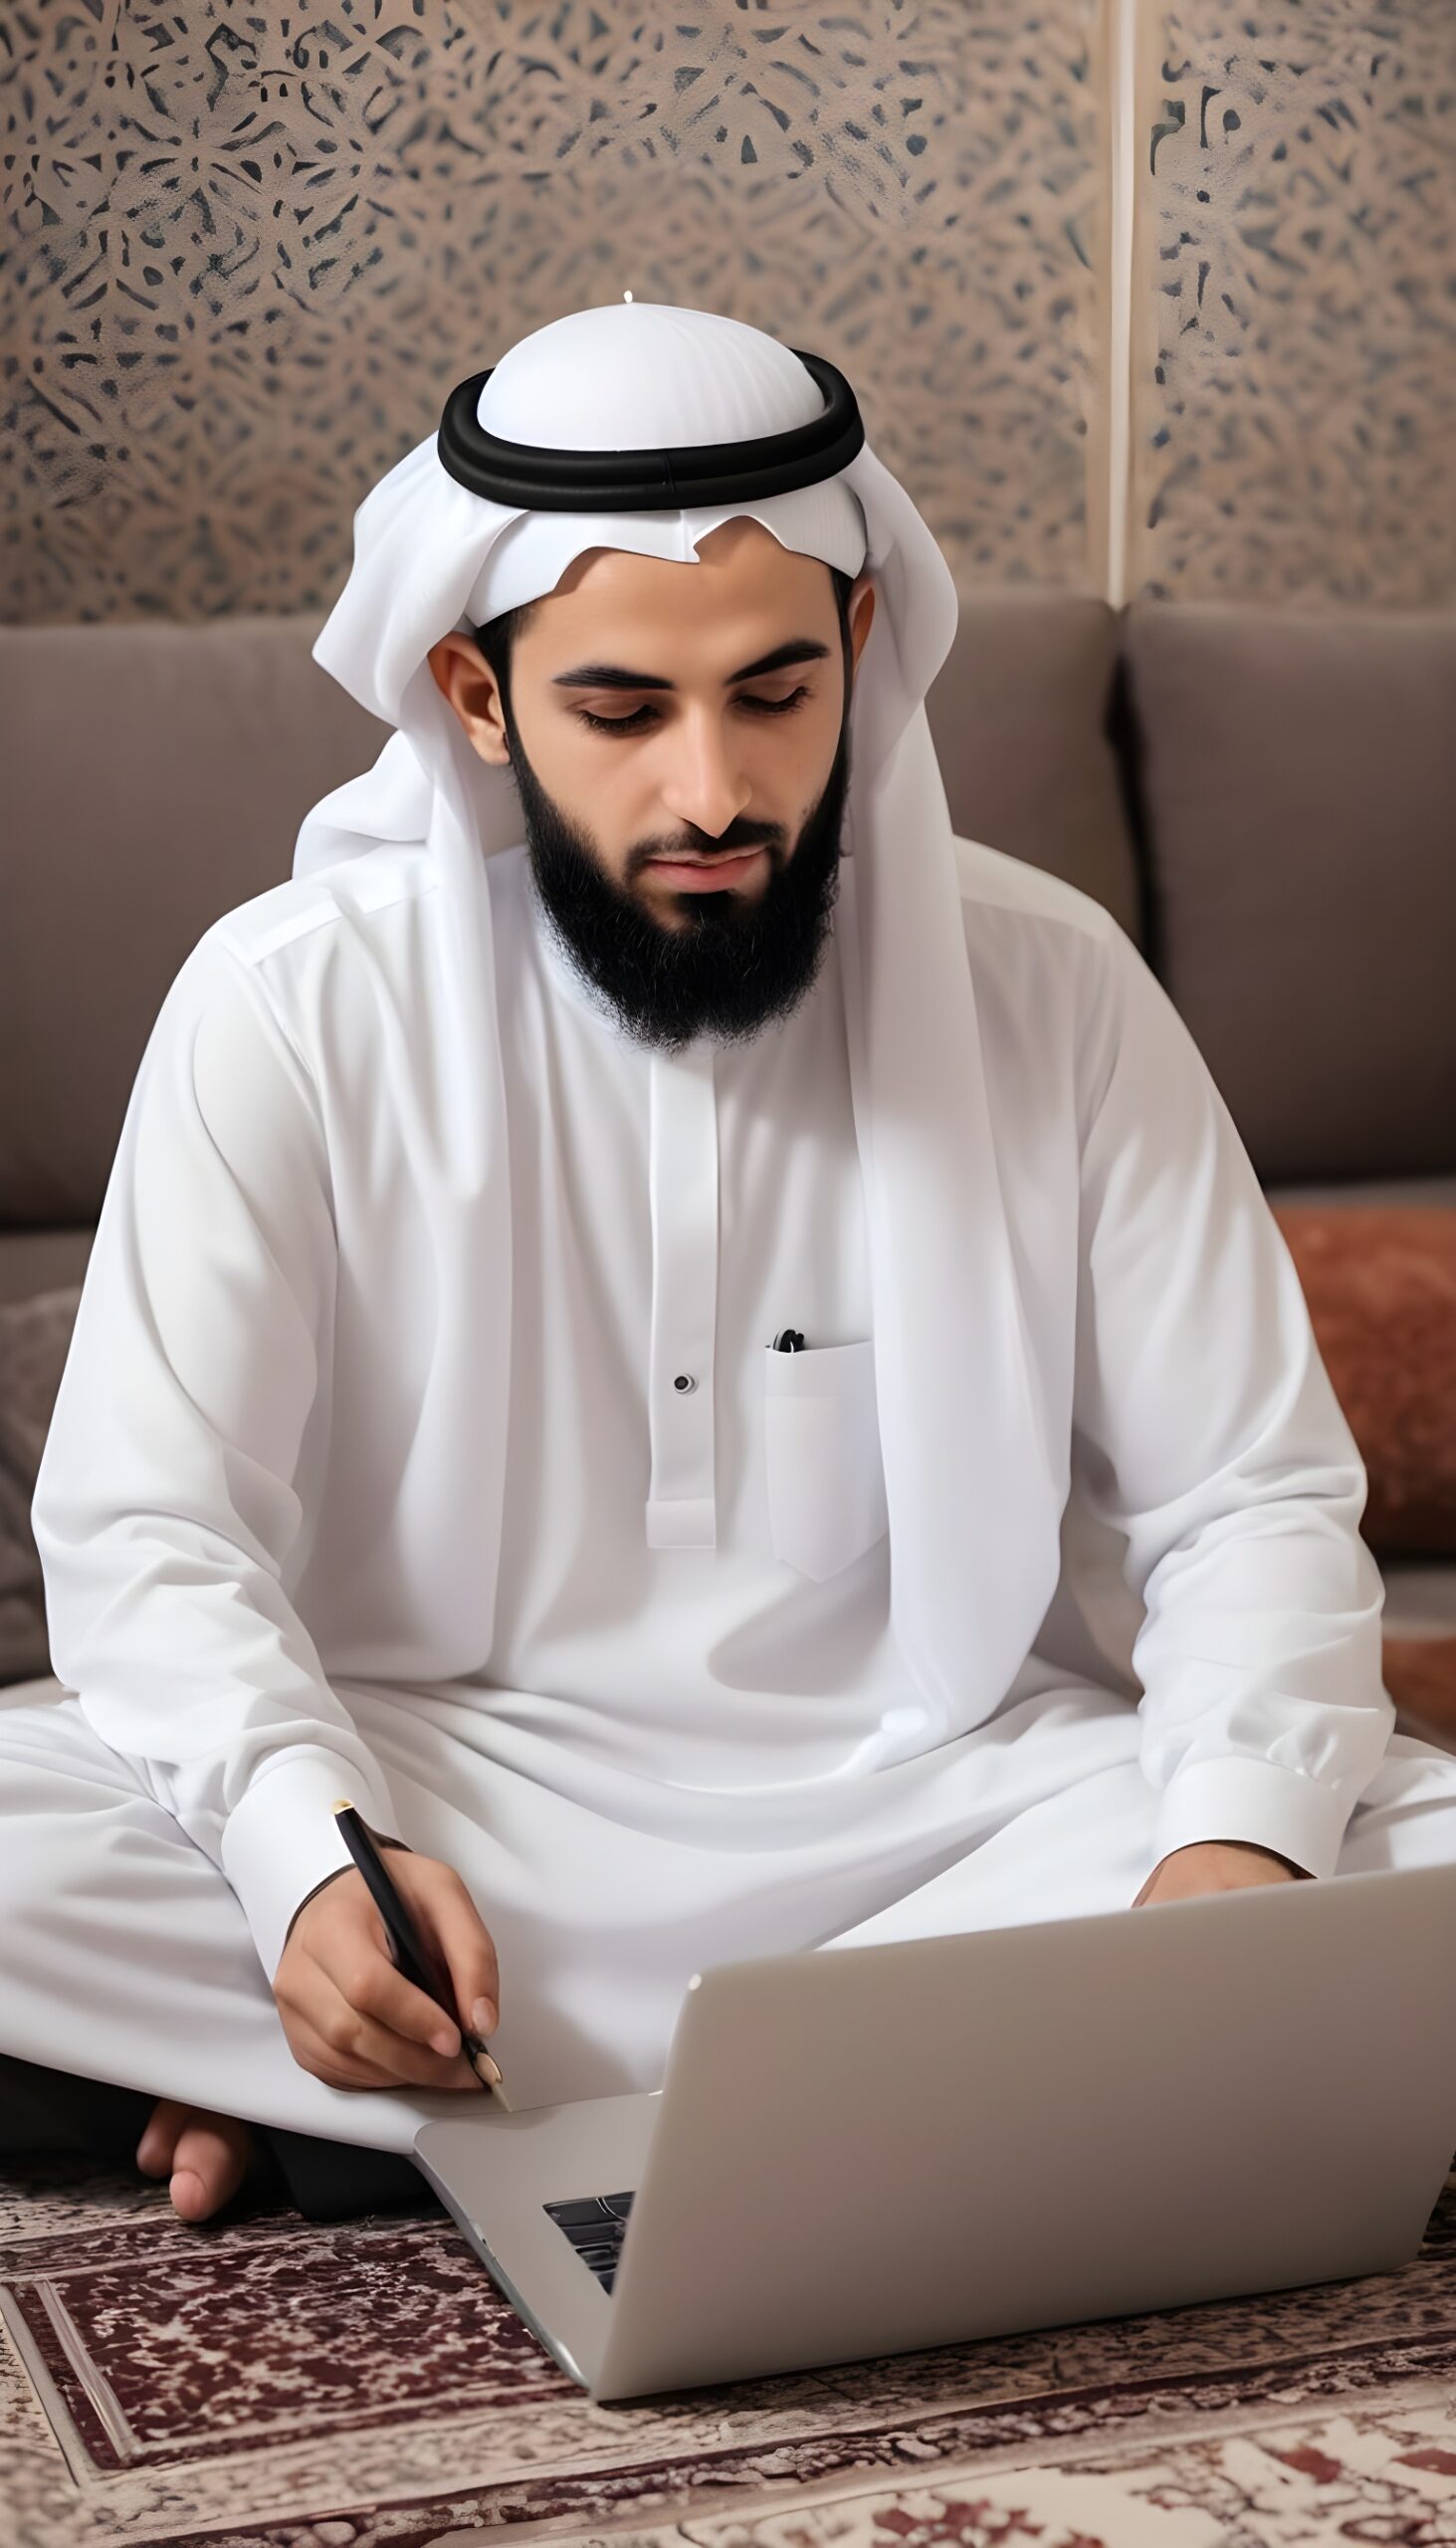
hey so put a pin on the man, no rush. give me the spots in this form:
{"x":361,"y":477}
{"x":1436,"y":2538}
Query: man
{"x":543,"y":1281}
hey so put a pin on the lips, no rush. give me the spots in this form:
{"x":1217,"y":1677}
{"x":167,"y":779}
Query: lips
{"x":705,"y":875}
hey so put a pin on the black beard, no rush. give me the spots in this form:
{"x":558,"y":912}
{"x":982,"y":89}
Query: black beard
{"x":734,"y":964}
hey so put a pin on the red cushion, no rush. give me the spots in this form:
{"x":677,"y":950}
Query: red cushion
{"x":1420,"y":1675}
{"x":1380,"y":1283}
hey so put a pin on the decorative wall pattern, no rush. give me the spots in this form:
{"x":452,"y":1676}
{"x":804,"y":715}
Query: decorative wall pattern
{"x":250,"y":250}
{"x":1294,"y":352}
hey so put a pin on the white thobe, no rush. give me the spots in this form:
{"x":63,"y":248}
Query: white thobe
{"x":658,"y":1760}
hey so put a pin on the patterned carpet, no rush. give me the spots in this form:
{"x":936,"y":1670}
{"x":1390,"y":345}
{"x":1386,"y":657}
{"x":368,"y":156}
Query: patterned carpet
{"x":264,"y":2383}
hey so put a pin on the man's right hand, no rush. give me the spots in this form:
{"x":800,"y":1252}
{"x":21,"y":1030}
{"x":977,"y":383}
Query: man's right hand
{"x":347,"y":2011}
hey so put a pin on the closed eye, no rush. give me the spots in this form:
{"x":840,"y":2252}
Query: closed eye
{"x":633,"y":723}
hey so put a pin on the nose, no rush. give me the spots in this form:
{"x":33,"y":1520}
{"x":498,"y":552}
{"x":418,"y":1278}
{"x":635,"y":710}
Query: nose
{"x":704,"y":785}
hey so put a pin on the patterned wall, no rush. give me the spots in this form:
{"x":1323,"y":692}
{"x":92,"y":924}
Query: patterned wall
{"x":1293,"y":354}
{"x":250,"y":251}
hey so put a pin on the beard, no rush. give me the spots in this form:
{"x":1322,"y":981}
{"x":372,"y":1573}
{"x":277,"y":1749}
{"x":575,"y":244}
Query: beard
{"x":735,"y":962}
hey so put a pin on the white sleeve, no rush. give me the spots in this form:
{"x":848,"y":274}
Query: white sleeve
{"x":1212,"y":1437}
{"x":164,"y":1512}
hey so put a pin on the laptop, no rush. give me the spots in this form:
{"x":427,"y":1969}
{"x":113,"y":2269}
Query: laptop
{"x":884,"y":2148}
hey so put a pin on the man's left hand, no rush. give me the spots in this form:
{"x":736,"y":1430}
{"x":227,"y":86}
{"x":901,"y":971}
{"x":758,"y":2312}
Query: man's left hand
{"x":1215,"y":1866}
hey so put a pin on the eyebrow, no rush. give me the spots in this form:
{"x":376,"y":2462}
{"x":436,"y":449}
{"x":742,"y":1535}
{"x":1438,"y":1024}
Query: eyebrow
{"x":798,"y":650}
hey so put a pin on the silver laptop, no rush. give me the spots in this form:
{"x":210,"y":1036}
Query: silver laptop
{"x":875,"y":2149}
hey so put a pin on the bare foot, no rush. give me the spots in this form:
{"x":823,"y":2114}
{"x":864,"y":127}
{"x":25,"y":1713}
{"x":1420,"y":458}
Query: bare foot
{"x":205,"y":2155}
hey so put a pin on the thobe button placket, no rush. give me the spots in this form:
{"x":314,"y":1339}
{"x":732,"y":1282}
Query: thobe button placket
{"x":681,"y":1510}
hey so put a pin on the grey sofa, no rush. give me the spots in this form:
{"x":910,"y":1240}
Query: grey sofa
{"x":1265,"y":802}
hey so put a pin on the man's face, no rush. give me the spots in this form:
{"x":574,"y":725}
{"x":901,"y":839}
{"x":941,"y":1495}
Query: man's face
{"x":687,"y":851}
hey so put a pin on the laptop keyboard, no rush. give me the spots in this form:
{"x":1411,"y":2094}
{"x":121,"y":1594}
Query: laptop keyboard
{"x":596,"y":2225}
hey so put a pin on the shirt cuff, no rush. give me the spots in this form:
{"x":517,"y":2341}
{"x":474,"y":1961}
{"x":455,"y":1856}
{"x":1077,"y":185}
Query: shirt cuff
{"x":282,"y":1840}
{"x":1258,"y":1802}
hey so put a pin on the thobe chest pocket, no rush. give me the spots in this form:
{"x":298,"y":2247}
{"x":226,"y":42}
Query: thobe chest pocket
{"x":821,"y":1433}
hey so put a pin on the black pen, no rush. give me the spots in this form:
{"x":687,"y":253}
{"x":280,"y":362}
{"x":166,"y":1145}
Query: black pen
{"x":409,"y":1952}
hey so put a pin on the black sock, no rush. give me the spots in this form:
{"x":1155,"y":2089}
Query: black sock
{"x":339,"y":2181}
{"x":44,"y":2111}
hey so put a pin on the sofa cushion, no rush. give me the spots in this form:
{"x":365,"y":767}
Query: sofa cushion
{"x":42,"y":1260}
{"x":1420,"y":1598}
{"x":1381,"y":1284}
{"x":1297,"y":781}
{"x":35,"y":1336}
{"x":155,"y":778}
{"x":1020,"y":714}
{"x":206,"y":744}
{"x":1425,"y":1190}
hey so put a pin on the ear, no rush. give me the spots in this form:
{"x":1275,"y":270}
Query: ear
{"x":860,"y":611}
{"x":465,"y":679}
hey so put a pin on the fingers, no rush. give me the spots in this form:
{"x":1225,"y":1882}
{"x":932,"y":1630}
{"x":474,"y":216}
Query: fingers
{"x":351,"y":2017}
{"x":347,"y":2049}
{"x":470,"y":1952}
{"x":377,"y":1988}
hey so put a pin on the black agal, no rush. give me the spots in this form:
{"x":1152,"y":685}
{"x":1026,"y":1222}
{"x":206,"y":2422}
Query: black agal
{"x":541,"y":479}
